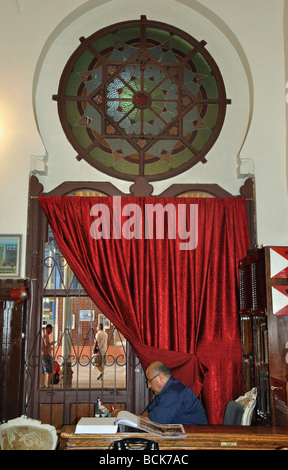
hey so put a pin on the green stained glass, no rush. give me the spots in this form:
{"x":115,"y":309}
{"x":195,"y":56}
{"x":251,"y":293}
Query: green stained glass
{"x":201,"y":64}
{"x":158,"y":106}
{"x":83,"y":62}
{"x":73,"y":83}
{"x":211,"y":115}
{"x":81,"y":135}
{"x":135,"y":115}
{"x":180,"y":158}
{"x":181,"y":45}
{"x":128,"y":35}
{"x":210,"y":85}
{"x":72,"y":112}
{"x":135,"y":83}
{"x":127,"y":167}
{"x":126,"y":93}
{"x":126,"y":106}
{"x":156,"y":35}
{"x":105,"y":43}
{"x":149,"y":116}
{"x":143,"y":98}
{"x":201,"y":138}
{"x":156,"y":168}
{"x":102,"y":156}
{"x":157,"y":94}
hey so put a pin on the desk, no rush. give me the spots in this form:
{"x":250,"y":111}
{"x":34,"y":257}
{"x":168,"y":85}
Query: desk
{"x":198,"y":437}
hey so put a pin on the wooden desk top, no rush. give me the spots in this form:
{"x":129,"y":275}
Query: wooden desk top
{"x":197,"y":437}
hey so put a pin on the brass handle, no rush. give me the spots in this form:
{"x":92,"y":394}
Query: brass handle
{"x":276,"y":388}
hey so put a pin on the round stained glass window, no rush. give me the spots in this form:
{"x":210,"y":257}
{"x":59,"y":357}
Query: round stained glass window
{"x":141,"y":98}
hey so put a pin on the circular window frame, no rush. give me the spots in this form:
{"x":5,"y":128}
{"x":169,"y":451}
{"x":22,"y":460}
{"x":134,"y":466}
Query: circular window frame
{"x":86,"y":44}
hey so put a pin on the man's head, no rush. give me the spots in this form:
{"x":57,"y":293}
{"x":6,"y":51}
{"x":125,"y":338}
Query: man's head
{"x":49,"y":329}
{"x":157,"y":375}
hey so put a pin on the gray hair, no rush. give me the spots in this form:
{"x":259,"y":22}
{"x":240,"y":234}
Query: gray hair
{"x":161,"y":367}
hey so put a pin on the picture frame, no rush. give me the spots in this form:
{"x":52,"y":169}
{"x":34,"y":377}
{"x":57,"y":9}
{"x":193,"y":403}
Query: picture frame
{"x":10,"y":256}
{"x":86,"y":315}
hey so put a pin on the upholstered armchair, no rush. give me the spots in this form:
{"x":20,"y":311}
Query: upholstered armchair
{"x":24,"y":433}
{"x":248,"y":401}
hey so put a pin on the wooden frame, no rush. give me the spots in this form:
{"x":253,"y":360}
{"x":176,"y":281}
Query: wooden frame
{"x":10,"y":256}
{"x":97,"y":99}
{"x":36,"y":237}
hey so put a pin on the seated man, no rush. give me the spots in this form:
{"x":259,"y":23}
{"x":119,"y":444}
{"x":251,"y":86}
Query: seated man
{"x":174,"y":402}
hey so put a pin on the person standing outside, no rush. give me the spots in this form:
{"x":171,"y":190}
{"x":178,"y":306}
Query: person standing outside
{"x":101,"y":339}
{"x":46,"y":358}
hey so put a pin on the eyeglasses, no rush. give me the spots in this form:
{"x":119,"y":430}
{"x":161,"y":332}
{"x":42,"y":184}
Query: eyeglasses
{"x":150,"y":380}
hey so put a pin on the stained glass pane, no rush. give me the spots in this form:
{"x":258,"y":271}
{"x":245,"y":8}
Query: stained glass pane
{"x":74,"y":82}
{"x":151,"y":100}
{"x":104,"y":43}
{"x":117,"y":154}
{"x":83,"y":62}
{"x":181,"y":47}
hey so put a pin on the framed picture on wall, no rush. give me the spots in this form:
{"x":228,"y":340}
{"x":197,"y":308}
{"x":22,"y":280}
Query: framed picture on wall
{"x":86,"y":315}
{"x":10,"y":255}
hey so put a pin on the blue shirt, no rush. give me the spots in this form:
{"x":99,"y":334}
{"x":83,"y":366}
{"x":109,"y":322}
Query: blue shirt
{"x":176,"y":404}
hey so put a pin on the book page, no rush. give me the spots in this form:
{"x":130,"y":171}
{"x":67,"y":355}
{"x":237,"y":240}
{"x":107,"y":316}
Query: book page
{"x":166,"y":430}
{"x":96,"y":426}
{"x":125,"y":417}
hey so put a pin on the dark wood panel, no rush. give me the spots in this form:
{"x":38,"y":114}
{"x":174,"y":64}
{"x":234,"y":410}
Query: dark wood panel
{"x":12,"y":328}
{"x":197,"y":437}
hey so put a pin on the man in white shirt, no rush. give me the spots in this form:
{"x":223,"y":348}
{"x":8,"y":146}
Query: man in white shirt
{"x":101,"y":338}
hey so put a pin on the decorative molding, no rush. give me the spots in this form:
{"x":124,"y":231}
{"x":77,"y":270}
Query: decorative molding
{"x":141,"y":187}
{"x":245,"y":168}
{"x":38,"y":165}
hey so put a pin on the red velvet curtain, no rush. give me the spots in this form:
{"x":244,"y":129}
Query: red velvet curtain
{"x":173,"y":292}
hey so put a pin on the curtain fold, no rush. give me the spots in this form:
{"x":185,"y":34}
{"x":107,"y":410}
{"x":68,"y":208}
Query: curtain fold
{"x":167,"y":279}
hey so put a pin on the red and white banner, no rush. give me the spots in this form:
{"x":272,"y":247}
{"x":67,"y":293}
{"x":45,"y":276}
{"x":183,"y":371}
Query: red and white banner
{"x":279,"y":262}
{"x":280,"y":300}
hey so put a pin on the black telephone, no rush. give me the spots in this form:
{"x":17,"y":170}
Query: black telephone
{"x":134,"y":443}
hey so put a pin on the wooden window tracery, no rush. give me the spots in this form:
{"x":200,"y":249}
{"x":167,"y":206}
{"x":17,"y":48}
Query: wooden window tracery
{"x":141,"y":99}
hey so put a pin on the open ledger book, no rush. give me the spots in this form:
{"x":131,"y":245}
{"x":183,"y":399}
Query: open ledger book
{"x":110,"y":425}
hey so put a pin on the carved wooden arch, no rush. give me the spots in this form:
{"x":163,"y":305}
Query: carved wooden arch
{"x":140,"y":188}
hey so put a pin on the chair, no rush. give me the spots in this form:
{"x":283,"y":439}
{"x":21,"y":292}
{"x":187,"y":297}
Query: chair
{"x":248,"y":402}
{"x":27,"y":434}
{"x":233,"y":413}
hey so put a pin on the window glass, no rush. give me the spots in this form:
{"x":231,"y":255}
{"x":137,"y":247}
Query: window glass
{"x":141,"y":98}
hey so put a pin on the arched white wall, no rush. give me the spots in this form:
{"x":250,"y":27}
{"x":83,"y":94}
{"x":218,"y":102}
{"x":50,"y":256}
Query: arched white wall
{"x":201,"y":23}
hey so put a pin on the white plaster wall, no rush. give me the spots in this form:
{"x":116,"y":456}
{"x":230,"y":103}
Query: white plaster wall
{"x":62,"y":165}
{"x":24,"y":28}
{"x":246,"y":40}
